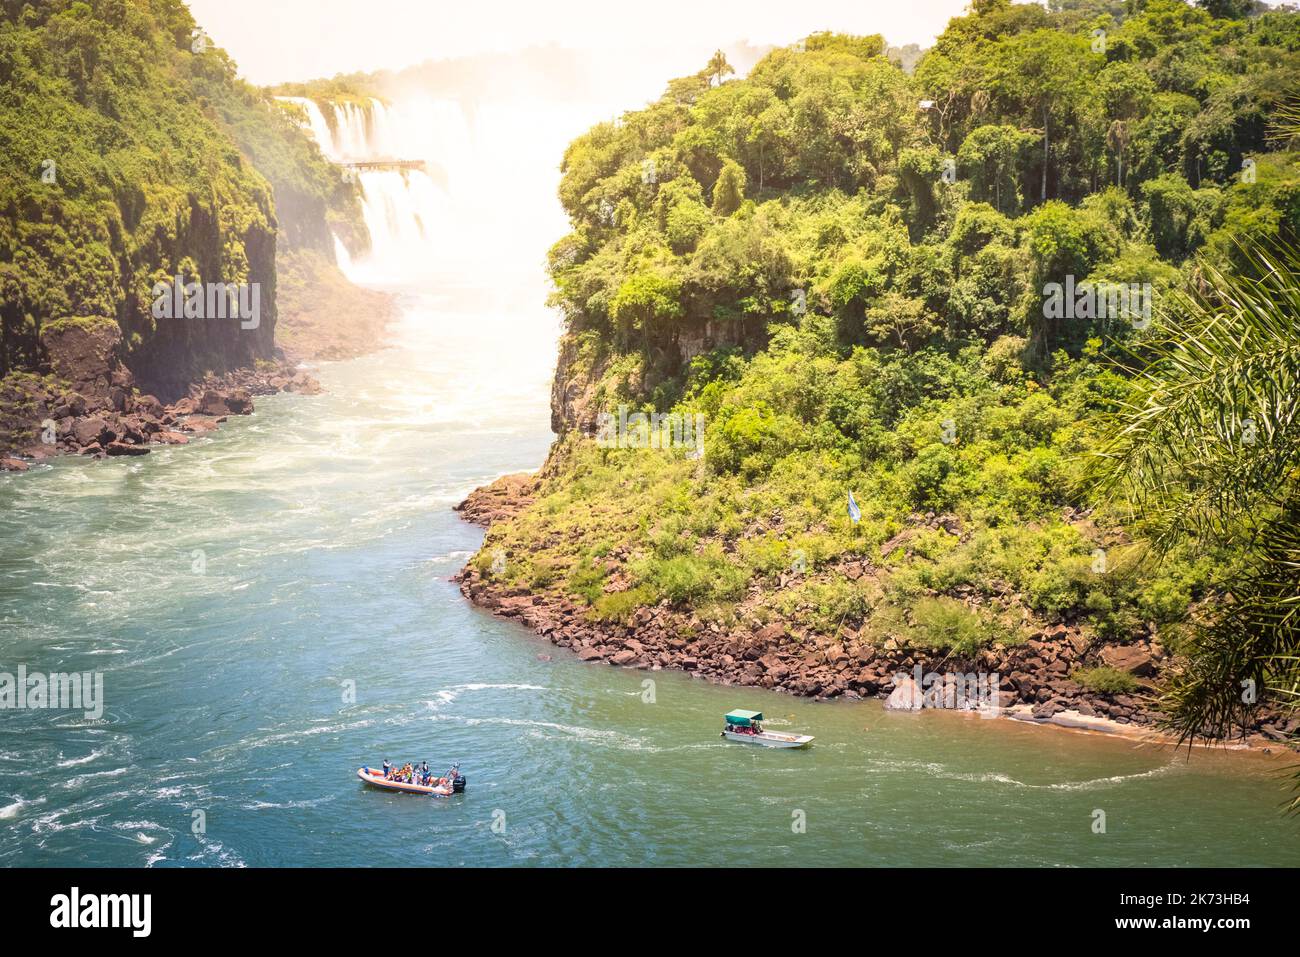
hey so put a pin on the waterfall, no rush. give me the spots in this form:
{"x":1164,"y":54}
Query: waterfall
{"x":315,"y":121}
{"x":405,"y":210}
{"x":341,"y":255}
{"x":349,"y":133}
{"x":483,"y":210}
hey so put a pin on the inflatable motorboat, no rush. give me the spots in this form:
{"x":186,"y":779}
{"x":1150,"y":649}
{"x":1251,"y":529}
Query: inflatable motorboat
{"x":452,"y":783}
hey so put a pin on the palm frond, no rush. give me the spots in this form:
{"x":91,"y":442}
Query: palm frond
{"x":1213,"y":428}
{"x":1207,"y":450}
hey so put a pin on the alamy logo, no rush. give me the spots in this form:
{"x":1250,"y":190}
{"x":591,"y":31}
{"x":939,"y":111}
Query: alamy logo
{"x":656,"y":430}
{"x":974,"y":691}
{"x":57,"y":691}
{"x":74,"y":910}
{"x":179,"y":299}
{"x":1098,"y":300}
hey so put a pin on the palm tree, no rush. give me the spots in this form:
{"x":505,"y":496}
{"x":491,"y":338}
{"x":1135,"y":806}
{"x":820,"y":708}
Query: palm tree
{"x":1117,"y":138}
{"x":718,"y":67}
{"x":1207,"y":449}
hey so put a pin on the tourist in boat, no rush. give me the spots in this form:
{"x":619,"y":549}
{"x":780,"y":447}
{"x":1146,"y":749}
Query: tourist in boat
{"x":388,"y":769}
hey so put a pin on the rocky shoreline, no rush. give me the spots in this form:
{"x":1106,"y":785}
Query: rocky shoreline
{"x":90,"y":403}
{"x":1035,"y":683}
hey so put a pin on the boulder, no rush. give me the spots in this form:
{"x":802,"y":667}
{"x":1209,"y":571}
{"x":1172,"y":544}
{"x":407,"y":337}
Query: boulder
{"x":129,"y":430}
{"x":125,"y":448}
{"x":12,"y":465}
{"x":1047,"y":709}
{"x":303,"y":384}
{"x":898,"y":541}
{"x":1004,"y":699}
{"x":92,"y":430}
{"x":239,"y":402}
{"x":774,"y":666}
{"x":148,"y":405}
{"x":74,"y":403}
{"x":1130,"y":658}
{"x":949,"y":523}
{"x":84,"y":352}
{"x":212,"y":402}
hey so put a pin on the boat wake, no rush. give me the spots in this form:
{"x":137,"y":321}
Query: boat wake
{"x":997,"y":777}
{"x":603,"y":737}
{"x":446,"y":696}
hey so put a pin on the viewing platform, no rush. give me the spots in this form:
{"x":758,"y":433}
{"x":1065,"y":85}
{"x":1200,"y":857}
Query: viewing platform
{"x":386,"y":164}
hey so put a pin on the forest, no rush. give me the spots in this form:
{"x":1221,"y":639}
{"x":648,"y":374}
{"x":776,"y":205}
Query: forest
{"x":843,"y":266}
{"x":133,"y":152}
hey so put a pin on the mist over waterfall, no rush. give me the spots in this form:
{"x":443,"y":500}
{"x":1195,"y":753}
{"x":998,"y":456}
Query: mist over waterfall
{"x":405,"y":209}
{"x":484,"y":201}
{"x":461,"y":231}
{"x":465,"y":237}
{"x":483,"y":210}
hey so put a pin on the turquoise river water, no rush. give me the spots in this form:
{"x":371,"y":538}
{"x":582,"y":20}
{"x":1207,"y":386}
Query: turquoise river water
{"x":231,"y":592}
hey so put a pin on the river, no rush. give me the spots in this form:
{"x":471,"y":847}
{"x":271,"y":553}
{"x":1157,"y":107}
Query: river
{"x":271,"y":607}
{"x":233,"y":592}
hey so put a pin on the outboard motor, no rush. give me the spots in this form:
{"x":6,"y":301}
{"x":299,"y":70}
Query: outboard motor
{"x":457,"y":780}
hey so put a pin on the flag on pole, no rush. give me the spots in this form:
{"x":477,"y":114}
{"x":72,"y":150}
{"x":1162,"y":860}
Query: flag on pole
{"x":855,"y":513}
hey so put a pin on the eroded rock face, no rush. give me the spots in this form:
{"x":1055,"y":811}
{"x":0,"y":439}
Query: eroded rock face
{"x":577,"y":376}
{"x":84,"y":353}
{"x":501,"y":500}
{"x":572,"y":393}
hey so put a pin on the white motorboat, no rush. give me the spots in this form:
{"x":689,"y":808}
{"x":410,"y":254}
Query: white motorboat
{"x":746,"y":727}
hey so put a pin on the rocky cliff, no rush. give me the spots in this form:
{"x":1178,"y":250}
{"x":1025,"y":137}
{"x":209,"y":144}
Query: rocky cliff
{"x":132,"y":154}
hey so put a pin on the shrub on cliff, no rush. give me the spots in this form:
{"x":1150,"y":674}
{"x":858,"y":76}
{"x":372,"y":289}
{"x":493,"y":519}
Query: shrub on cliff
{"x":1105,"y":679}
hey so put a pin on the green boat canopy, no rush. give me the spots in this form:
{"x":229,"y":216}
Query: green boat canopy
{"x":744,"y":718}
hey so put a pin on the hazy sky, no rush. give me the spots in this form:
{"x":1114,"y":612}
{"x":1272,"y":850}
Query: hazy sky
{"x":274,"y":40}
